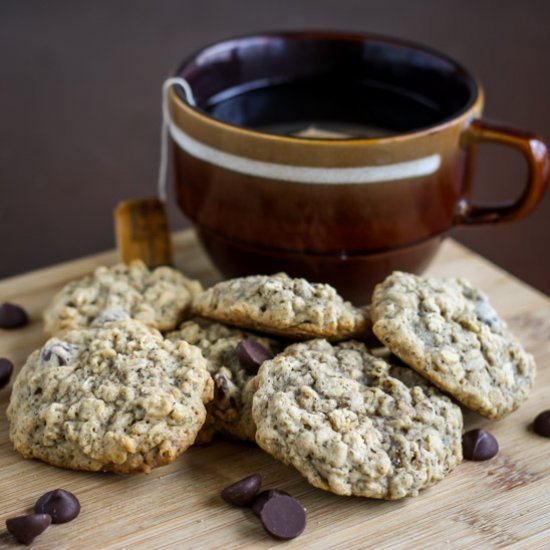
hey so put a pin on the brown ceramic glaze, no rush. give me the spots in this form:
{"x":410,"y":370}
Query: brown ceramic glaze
{"x":343,"y":211}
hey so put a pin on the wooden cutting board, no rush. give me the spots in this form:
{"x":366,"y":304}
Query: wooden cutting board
{"x":504,"y":502}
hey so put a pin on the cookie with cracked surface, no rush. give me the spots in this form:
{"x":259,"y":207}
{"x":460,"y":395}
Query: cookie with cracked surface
{"x":280,"y":305}
{"x":230,"y":412}
{"x":346,"y":422}
{"x":449,"y":333}
{"x":116,"y":398}
{"x":161,"y":298}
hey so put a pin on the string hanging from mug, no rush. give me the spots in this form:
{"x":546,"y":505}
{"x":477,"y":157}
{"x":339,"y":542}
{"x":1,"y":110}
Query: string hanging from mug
{"x":141,"y":225}
{"x":165,"y":127}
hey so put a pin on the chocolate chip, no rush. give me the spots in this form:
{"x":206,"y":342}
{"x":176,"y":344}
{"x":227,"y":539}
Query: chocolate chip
{"x":26,"y":528}
{"x":242,"y":492}
{"x":541,"y":425}
{"x":479,"y":445}
{"x":283,"y":517}
{"x":486,"y":314}
{"x":251,"y":355}
{"x":110,"y":316}
{"x":221,"y":387}
{"x":6,"y":368}
{"x":58,"y":349}
{"x":12,"y":316}
{"x":263,"y":497}
{"x":61,"y":505}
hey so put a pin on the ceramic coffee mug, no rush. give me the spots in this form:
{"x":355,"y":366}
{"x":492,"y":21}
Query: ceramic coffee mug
{"x":336,"y":157}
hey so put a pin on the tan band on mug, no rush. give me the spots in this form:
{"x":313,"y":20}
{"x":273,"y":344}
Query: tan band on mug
{"x":423,"y":166}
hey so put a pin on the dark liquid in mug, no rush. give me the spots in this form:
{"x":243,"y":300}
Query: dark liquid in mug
{"x":324,"y":107}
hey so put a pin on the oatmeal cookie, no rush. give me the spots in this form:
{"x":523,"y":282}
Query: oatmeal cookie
{"x":115,"y":398}
{"x":345,"y":421}
{"x":230,"y":412}
{"x":278,"y":304}
{"x":449,"y":333}
{"x":161,"y":298}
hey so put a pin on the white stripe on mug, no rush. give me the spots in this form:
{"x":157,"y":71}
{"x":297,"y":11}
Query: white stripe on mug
{"x":423,"y":166}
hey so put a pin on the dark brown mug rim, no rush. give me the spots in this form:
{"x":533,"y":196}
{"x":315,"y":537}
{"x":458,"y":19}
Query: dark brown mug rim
{"x":474,"y":86}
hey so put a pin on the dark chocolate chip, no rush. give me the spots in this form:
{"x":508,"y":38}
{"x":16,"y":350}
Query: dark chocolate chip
{"x":479,"y":445}
{"x":62,"y":351}
{"x":221,"y":387}
{"x":541,"y":425}
{"x":283,"y":517}
{"x":26,"y":528}
{"x":242,"y":492}
{"x":62,"y":505}
{"x":263,"y":497}
{"x":6,"y":368}
{"x":12,"y":316}
{"x":110,"y":316}
{"x":486,"y":314}
{"x":251,"y":355}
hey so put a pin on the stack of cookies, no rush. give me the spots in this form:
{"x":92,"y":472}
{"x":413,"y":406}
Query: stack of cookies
{"x":123,"y":386}
{"x":108,"y":391}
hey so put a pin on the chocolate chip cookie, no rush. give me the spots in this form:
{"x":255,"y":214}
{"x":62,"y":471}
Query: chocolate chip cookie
{"x":116,"y":398}
{"x":278,"y":304}
{"x":161,"y":298}
{"x":346,"y":422}
{"x":230,"y":412}
{"x":449,"y":333}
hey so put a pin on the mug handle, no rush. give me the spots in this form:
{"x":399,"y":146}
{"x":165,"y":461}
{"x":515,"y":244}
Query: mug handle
{"x":535,"y":152}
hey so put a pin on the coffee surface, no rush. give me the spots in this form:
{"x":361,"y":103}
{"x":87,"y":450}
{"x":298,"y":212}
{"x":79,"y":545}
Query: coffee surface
{"x":326,"y":107}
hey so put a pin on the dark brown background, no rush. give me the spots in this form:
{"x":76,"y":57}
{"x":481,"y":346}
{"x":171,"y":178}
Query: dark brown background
{"x":80,"y":96}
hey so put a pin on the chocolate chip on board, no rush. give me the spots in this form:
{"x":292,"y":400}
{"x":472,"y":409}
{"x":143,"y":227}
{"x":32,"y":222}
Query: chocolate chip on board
{"x":242,"y":492}
{"x":283,"y":517}
{"x":26,"y":528}
{"x":6,"y":369}
{"x":479,"y":445}
{"x":541,"y":425}
{"x":61,"y":505}
{"x":251,"y":355}
{"x":12,"y":316}
{"x":263,"y":497}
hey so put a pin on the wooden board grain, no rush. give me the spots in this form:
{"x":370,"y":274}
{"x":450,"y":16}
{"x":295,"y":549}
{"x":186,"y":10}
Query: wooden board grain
{"x":501,"y":503}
